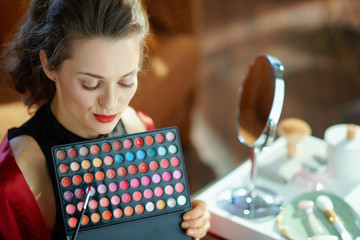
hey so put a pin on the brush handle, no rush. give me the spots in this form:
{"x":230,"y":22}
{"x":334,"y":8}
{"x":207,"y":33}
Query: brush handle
{"x":313,"y":222}
{"x":77,"y":228}
{"x":342,"y":230}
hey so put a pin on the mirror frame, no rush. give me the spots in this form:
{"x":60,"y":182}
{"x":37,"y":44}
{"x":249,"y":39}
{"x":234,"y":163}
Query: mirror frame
{"x":268,"y":133}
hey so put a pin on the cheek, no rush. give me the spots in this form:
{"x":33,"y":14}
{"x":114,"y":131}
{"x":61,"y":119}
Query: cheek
{"x":76,"y":97}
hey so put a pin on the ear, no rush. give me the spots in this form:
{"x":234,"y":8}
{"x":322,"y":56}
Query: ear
{"x":45,"y":65}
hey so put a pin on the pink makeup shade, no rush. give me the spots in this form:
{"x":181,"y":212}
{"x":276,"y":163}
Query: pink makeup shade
{"x":156,"y":178}
{"x":132,"y":169}
{"x":110,"y":173}
{"x":135,"y":183}
{"x":63,"y":168}
{"x":126,"y":198}
{"x":170,"y":136}
{"x":159,"y":138}
{"x":94,"y":149}
{"x":166,"y":176}
{"x":164,"y":163}
{"x":154,"y":166}
{"x":75,"y":166}
{"x":145,"y":180}
{"x":80,"y":206}
{"x":122,"y":172}
{"x":179,"y":187}
{"x":169,"y":189}
{"x":72,"y":153}
{"x":137,"y":196}
{"x":106,"y":147}
{"x":104,"y":202}
{"x":148,"y":193}
{"x":118,"y":213}
{"x":115,"y":200}
{"x":93,"y":204}
{"x":61,"y":155}
{"x":127,"y":144}
{"x":117,"y":145}
{"x":102,"y":189}
{"x":177,"y":174}
{"x":124,"y":184}
{"x":70,"y":209}
{"x":159,"y":191}
{"x":113,"y":187}
{"x":149,"y":140}
{"x":84,"y":151}
{"x":175,"y":162}
{"x":108,"y":160}
{"x":79,"y":193}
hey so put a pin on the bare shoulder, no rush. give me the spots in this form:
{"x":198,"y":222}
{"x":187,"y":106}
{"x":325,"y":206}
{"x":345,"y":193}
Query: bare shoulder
{"x":31,"y":162}
{"x":132,"y":121}
{"x":27,"y":152}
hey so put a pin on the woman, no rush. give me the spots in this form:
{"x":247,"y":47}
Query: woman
{"x":77,"y":60}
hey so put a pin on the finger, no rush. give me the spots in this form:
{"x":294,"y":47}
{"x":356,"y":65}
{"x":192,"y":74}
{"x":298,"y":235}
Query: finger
{"x":197,"y":223}
{"x":199,"y":207}
{"x":198,"y":232}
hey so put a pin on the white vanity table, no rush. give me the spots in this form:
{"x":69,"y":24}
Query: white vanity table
{"x":228,"y":226}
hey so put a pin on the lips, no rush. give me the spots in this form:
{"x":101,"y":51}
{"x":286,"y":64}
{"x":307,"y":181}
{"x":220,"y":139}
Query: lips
{"x":104,"y":118}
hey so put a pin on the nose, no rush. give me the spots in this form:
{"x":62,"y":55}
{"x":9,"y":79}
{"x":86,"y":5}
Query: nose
{"x":108,"y":98}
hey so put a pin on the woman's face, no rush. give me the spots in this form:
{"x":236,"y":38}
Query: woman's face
{"x":94,"y":87}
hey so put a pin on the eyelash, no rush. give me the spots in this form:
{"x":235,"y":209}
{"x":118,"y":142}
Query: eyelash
{"x":98,"y":85}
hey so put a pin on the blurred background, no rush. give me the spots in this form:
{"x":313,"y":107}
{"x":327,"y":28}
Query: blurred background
{"x":199,"y":52}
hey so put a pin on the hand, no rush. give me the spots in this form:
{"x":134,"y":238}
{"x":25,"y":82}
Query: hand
{"x":196,"y":221}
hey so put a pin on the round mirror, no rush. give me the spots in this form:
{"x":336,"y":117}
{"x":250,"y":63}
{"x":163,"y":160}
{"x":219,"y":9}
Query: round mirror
{"x":261,"y":100}
{"x":259,"y":108}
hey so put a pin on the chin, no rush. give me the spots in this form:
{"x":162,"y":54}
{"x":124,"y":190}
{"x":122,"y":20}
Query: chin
{"x":104,"y":129}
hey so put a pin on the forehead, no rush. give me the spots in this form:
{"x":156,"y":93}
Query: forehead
{"x":104,"y":55}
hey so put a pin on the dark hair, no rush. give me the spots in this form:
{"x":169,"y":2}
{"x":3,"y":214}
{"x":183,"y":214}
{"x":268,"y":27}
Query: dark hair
{"x":52,"y":25}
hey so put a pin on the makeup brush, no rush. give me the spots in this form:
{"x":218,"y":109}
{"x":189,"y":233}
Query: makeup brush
{"x":324,"y":237}
{"x":77,"y":228}
{"x":324,"y":203}
{"x":308,"y":207}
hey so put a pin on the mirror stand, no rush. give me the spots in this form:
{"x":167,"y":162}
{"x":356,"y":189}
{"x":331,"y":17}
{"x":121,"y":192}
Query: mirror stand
{"x":252,"y":202}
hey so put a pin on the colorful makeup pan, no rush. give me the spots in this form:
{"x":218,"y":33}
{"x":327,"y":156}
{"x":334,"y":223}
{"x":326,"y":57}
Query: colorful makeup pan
{"x":138,"y":182}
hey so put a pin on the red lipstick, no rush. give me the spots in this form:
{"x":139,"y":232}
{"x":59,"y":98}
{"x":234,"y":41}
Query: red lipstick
{"x":104,"y":118}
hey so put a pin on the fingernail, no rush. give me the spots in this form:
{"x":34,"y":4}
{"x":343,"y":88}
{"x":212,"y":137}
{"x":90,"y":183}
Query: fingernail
{"x":186,"y":217}
{"x":185,"y":224}
{"x":191,"y":232}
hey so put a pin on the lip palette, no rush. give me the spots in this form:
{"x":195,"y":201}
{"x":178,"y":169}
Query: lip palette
{"x":138,"y":185}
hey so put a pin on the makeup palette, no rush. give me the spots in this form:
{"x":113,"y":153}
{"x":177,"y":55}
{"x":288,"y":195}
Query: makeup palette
{"x":138,"y":185}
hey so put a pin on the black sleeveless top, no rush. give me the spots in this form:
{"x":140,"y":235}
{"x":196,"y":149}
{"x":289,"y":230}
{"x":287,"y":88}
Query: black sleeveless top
{"x":48,"y":132}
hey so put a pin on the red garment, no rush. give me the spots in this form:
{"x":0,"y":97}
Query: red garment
{"x":20,"y":215}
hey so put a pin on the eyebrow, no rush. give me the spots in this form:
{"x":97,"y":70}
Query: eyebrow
{"x":101,"y":77}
